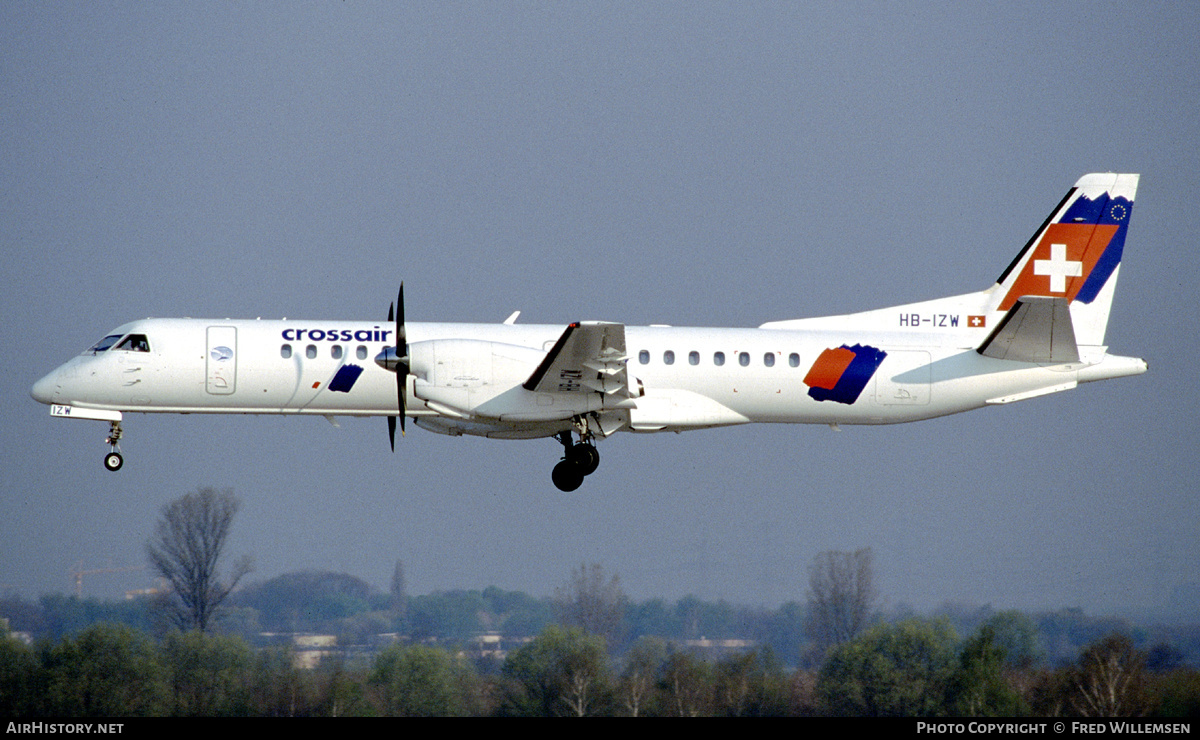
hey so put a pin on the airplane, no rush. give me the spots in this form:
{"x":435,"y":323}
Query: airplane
{"x":1038,"y":330}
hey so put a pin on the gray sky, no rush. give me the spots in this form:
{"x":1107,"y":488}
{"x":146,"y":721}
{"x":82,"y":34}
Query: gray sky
{"x":687,"y":163}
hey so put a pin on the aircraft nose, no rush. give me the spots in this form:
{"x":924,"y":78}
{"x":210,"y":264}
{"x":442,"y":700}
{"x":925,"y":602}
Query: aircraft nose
{"x":44,"y":390}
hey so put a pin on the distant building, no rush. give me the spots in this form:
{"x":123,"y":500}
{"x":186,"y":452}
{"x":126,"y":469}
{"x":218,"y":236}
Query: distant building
{"x":488,"y":645}
{"x":310,"y":650}
{"x":717,"y":648}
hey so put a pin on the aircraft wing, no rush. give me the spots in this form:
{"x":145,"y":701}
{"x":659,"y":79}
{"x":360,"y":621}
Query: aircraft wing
{"x":589,"y":356}
{"x":1035,"y":329}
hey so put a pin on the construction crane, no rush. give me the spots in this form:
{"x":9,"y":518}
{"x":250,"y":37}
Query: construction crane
{"x":78,"y":572}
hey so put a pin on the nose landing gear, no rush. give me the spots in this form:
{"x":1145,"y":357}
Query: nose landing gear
{"x":113,"y":460}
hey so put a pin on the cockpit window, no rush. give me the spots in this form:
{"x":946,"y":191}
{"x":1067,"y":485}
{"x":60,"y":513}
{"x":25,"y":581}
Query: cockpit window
{"x":135,"y":343}
{"x":104,"y":344}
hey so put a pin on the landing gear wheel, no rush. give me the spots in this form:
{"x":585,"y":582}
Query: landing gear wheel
{"x":567,"y":475}
{"x":113,"y":461}
{"x":586,"y":456}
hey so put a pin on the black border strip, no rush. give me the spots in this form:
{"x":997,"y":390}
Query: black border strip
{"x":1013,"y":265}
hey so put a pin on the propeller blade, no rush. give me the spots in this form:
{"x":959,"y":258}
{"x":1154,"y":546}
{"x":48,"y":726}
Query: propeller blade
{"x":402,"y":357}
{"x":401,"y":381}
{"x":391,"y":420}
{"x":401,"y":338}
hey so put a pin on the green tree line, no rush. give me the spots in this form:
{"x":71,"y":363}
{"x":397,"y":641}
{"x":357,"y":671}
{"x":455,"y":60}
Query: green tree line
{"x":907,"y":668}
{"x":203,"y":648}
{"x":347,"y":607}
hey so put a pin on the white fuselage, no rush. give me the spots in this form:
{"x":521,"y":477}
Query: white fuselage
{"x":716,"y":376}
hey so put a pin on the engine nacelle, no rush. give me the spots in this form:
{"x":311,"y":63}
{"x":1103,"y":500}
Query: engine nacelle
{"x":456,"y":376}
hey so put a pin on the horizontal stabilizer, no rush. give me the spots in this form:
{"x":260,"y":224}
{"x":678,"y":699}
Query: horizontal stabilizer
{"x":1035,"y":329}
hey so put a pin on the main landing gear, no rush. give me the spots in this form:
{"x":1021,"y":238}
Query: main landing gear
{"x":579,"y":460}
{"x":113,"y":460}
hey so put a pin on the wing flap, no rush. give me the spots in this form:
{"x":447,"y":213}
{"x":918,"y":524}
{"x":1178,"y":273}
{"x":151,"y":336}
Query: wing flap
{"x":588,"y":356}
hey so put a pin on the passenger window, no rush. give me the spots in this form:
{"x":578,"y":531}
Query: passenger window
{"x":794,"y":360}
{"x":311,"y":351}
{"x":669,"y":357}
{"x":336,"y":351}
{"x":285,"y":351}
{"x":361,"y":352}
{"x":718,"y":358}
{"x":693,"y":358}
{"x":135,"y":343}
{"x":644,"y":357}
{"x":769,"y":359}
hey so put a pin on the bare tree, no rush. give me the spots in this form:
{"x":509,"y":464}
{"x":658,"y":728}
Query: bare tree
{"x":186,"y":550}
{"x":841,"y":595}
{"x":593,"y":602}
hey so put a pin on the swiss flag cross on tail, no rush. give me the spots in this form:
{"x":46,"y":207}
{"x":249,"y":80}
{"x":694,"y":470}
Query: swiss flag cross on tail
{"x":1061,"y":262}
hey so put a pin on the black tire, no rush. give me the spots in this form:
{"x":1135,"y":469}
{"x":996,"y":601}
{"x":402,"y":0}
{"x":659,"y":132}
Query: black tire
{"x":567,"y":476}
{"x":113,"y":461}
{"x":586,"y":456}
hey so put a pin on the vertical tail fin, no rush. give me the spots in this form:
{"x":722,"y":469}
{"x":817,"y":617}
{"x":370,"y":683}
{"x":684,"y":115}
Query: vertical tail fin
{"x":1076,"y":254}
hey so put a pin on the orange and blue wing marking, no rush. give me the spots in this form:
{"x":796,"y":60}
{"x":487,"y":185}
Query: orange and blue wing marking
{"x":841,"y":374}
